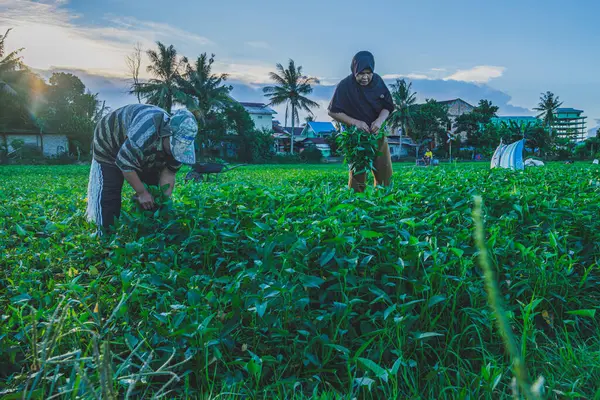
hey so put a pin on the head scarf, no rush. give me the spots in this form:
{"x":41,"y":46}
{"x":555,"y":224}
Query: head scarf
{"x":363,"y":103}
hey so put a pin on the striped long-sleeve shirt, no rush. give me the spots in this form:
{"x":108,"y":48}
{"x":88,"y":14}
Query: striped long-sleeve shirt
{"x":131,"y":138}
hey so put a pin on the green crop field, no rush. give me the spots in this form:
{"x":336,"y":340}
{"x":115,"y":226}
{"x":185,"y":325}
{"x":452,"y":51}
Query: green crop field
{"x":275,"y":282}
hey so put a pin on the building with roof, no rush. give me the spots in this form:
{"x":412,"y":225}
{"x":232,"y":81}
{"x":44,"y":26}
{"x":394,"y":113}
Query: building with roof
{"x":457,"y":107}
{"x":261,"y":114}
{"x":303,"y":137}
{"x":400,"y":146}
{"x":50,"y":144}
{"x":297,"y":130}
{"x":570,"y":123}
{"x":314,"y":129}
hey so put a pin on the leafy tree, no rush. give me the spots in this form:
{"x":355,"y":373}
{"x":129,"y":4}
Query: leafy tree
{"x":538,"y":137}
{"x":18,"y":86}
{"x":471,"y":125}
{"x":429,"y":120}
{"x":404,"y":100}
{"x":475,"y":123}
{"x":71,"y":110}
{"x":291,"y":88}
{"x":485,"y":111}
{"x":256,"y":146}
{"x":163,"y":90}
{"x":228,"y":125}
{"x":547,"y":107}
{"x":593,"y":143}
{"x":205,"y":91}
{"x":10,"y":64}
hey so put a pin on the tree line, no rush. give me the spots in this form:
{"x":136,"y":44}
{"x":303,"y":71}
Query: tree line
{"x":64,"y":105}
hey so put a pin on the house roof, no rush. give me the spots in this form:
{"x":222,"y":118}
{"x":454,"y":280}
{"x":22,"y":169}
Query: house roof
{"x":568,"y":110}
{"x":454,"y":100}
{"x":258,"y":108}
{"x":277,"y":128}
{"x":322,"y":127}
{"x":297,"y":130}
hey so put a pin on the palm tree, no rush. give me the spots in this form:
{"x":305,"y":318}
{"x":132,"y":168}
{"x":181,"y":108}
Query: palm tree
{"x":291,"y":88}
{"x":404,"y":98}
{"x":547,"y":107}
{"x":9,"y":64}
{"x":162,"y":90}
{"x":205,"y":91}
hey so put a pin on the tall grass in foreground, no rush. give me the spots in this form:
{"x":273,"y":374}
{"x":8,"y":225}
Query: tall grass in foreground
{"x":495,"y":301}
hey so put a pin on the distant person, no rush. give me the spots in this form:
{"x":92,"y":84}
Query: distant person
{"x":140,"y":144}
{"x":363,"y":100}
{"x":428,"y":157}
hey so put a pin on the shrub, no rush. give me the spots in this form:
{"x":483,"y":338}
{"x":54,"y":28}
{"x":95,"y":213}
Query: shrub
{"x":311,"y":155}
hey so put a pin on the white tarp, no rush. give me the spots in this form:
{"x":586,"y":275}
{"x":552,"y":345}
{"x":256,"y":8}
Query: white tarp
{"x":530,"y":162}
{"x":509,"y":156}
{"x":497,"y":154}
{"x":595,"y":161}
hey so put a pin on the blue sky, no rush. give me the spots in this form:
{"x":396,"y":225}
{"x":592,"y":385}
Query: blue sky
{"x":508,"y":51}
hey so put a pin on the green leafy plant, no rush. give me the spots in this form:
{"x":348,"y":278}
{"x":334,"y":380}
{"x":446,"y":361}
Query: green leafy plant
{"x":360,"y":148}
{"x":272,"y":282}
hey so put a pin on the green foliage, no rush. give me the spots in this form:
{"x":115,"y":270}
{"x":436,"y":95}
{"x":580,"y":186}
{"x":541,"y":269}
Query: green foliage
{"x":60,"y":106}
{"x":291,"y":88}
{"x":311,"y":154}
{"x":480,"y":132}
{"x":429,"y":120}
{"x":360,"y":148}
{"x":71,"y":110}
{"x":10,"y":66}
{"x":547,"y":107}
{"x":255,"y":146}
{"x":404,"y":101}
{"x":206,"y":92}
{"x":162,"y":89}
{"x":281,"y":283}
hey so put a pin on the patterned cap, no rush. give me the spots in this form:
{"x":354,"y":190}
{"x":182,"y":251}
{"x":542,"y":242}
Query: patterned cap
{"x":184,"y":130}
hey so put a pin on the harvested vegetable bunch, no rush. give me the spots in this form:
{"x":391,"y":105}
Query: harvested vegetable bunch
{"x":360,"y":148}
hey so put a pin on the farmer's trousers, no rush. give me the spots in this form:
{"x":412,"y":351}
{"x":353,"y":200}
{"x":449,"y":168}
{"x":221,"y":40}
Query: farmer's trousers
{"x":382,"y":172}
{"x":104,"y":192}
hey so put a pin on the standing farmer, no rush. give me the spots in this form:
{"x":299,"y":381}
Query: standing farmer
{"x":141,"y":144}
{"x":363,"y":100}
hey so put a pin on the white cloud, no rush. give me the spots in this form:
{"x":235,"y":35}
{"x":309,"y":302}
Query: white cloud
{"x":438,"y":69}
{"x":259,"y":45}
{"x":248,"y":73}
{"x":327,"y":81}
{"x":53,"y":37}
{"x":478,"y":74}
{"x":409,"y":76}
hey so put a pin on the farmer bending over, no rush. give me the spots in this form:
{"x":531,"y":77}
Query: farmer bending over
{"x":140,"y":144}
{"x":362,"y":99}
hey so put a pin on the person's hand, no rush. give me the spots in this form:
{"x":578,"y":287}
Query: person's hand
{"x":146,"y":200}
{"x":376,"y":126}
{"x":362,"y":126}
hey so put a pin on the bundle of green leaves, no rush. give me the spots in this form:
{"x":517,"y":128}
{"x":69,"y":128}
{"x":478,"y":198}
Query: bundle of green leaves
{"x":360,"y":148}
